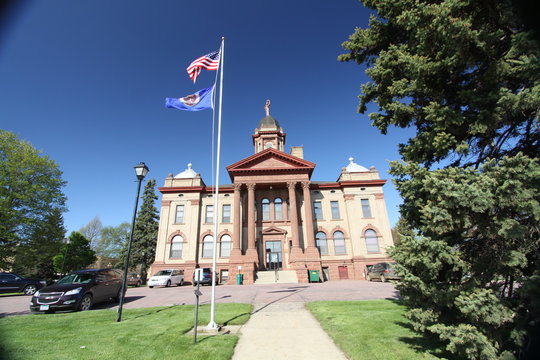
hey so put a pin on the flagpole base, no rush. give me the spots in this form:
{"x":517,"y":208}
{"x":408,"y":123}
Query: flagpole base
{"x":212,"y":326}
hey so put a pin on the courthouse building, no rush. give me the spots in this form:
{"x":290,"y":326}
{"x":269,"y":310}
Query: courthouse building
{"x":274,"y":222}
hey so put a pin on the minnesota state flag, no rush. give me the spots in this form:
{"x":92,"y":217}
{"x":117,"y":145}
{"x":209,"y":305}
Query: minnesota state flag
{"x":201,"y":100}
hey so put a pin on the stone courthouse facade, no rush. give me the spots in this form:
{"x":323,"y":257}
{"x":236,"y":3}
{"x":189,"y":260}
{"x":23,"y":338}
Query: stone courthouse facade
{"x":273,"y":219}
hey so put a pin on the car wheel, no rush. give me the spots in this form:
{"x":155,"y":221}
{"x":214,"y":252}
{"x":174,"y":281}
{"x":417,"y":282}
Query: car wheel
{"x":383,"y":279}
{"x":138,"y":283}
{"x":150,"y":287}
{"x":168,"y":283}
{"x":86,"y":302}
{"x":368,"y":278}
{"x":30,"y":289}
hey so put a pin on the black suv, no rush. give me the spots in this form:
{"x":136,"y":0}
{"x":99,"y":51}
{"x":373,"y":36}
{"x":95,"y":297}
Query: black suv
{"x":79,"y":291}
{"x":207,"y":277}
{"x":382,"y":271}
{"x":13,"y":283}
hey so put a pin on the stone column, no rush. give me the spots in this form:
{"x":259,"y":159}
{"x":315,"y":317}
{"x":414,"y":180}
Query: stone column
{"x":313,"y":257}
{"x":237,"y":232}
{"x":295,"y":251}
{"x":251,"y":250}
{"x":308,"y":208}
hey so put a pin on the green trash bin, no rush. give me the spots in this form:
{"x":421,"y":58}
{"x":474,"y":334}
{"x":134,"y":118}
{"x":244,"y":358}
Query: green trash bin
{"x":239,"y":279}
{"x":313,"y":276}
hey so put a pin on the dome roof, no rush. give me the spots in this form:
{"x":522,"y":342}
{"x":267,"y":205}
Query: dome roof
{"x":268,"y":122}
{"x":187,"y":174}
{"x":354,"y":167}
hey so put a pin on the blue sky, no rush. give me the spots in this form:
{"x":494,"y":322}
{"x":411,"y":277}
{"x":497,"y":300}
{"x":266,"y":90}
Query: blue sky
{"x":85,"y":83}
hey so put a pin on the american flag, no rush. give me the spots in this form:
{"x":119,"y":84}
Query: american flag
{"x":209,"y":62}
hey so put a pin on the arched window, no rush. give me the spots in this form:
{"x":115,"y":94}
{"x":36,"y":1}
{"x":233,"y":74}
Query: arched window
{"x":278,"y":209}
{"x":225,"y":246}
{"x":339,"y":243}
{"x":320,"y":239}
{"x":372,"y":242}
{"x":208,"y":246}
{"x":177,"y":245}
{"x":265,"y":209}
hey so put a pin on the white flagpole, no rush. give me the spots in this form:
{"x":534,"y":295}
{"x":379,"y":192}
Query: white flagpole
{"x":212,"y":324}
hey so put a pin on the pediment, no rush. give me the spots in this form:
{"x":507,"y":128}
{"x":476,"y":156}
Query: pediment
{"x":272,"y":230}
{"x":271,"y":161}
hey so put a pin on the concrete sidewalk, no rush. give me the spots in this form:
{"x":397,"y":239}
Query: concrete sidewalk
{"x":284,"y":331}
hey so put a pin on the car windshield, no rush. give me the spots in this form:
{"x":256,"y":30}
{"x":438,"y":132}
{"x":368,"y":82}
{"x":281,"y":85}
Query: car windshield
{"x":163,"y":273}
{"x":76,"y":279}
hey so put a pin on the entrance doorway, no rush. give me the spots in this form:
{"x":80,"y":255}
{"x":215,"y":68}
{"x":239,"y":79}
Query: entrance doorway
{"x":273,"y":255}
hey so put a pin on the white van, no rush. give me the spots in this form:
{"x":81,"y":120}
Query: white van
{"x":167,"y":278}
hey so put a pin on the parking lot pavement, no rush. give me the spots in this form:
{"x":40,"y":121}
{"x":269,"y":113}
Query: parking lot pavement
{"x":248,"y":294}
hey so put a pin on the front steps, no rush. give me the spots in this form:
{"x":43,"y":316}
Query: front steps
{"x":282,"y":277}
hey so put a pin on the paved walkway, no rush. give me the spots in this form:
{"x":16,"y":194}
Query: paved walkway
{"x":284,"y":330}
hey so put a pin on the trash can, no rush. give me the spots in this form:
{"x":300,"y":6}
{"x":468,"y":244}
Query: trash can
{"x":313,"y":276}
{"x":239,"y":279}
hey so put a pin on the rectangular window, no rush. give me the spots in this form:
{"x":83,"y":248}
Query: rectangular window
{"x":176,"y":249}
{"x":179,"y":214}
{"x":225,"y":250}
{"x":334,"y":205}
{"x":322,"y":245}
{"x":339,"y":246}
{"x":366,"y":210}
{"x":226,"y":217}
{"x":317,"y":209}
{"x":209,"y":219}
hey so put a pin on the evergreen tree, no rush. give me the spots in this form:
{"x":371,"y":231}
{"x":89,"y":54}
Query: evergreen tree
{"x":143,"y":249}
{"x":35,"y":257}
{"x":30,"y":188}
{"x":74,"y":255}
{"x":466,"y":75}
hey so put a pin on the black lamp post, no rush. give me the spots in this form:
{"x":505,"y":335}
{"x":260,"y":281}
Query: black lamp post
{"x":66,"y":241}
{"x":140,"y":170}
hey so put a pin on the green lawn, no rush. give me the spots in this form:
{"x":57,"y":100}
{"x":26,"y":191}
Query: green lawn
{"x":149,"y":333}
{"x":371,"y":330}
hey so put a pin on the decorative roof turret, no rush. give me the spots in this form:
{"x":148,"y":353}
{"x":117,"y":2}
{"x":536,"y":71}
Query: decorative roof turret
{"x":354,"y":167}
{"x":189,"y":173}
{"x":268,"y":133}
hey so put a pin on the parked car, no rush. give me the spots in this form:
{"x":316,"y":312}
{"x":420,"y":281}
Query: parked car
{"x":167,"y":278}
{"x":133,"y":279}
{"x":79,"y":290}
{"x":207,"y":277}
{"x":14,"y":283}
{"x":382,"y":271}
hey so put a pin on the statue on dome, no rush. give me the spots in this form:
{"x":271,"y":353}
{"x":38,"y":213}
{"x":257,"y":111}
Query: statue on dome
{"x":267,"y":107}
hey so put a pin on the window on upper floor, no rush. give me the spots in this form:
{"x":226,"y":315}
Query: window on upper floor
{"x":372,"y":241}
{"x":225,"y":246}
{"x":226,"y":214}
{"x":339,"y":243}
{"x":334,"y":205}
{"x":265,"y":209}
{"x":317,"y":210}
{"x":278,"y":209}
{"x":179,"y":219}
{"x":208,"y":246}
{"x":321,"y":243}
{"x":177,"y":245}
{"x":209,"y":216}
{"x":366,"y":209}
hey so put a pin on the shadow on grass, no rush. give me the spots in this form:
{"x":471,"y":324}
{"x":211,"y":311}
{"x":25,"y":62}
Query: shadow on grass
{"x":423,"y":343}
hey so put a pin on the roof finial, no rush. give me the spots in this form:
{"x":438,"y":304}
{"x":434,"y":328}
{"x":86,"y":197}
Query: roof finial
{"x":267,"y":107}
